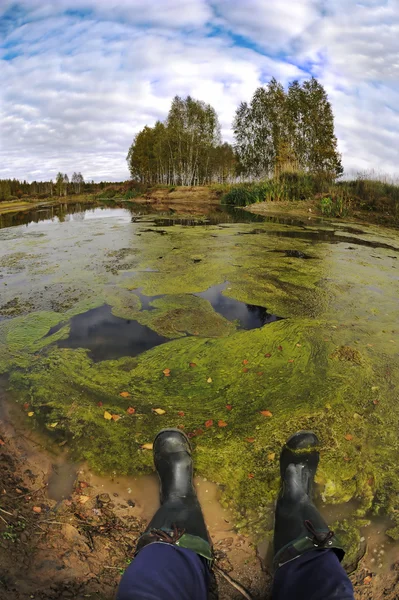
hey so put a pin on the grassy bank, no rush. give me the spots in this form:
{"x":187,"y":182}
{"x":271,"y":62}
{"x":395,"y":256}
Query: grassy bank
{"x":332,"y":199}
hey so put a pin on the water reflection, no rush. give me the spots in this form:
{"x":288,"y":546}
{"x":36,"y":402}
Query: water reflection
{"x":249,"y":316}
{"x":109,"y":337}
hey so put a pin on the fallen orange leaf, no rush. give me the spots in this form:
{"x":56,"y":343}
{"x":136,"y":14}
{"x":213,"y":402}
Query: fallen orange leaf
{"x":99,"y":404}
{"x":180,"y":427}
{"x":209,"y":423}
{"x":260,"y":373}
{"x":266,"y":413}
{"x":245,"y":361}
{"x":222,"y":423}
{"x":115,"y":417}
{"x":349,"y":437}
{"x":250,"y":440}
{"x":37,"y":510}
{"x":166,"y":372}
{"x":375,"y":401}
{"x":181,"y":413}
{"x":125,"y":394}
{"x":245,"y":370}
{"x":251,"y":475}
{"x":291,"y":360}
{"x":192,"y":365}
{"x":228,"y":406}
{"x":367,"y":579}
{"x":196,"y":333}
{"x":268,"y":355}
{"x":2,"y":443}
{"x":147,"y":446}
{"x":131,"y":410}
{"x":26,"y":406}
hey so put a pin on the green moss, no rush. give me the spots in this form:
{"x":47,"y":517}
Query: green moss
{"x":182,"y":314}
{"x":295,"y":368}
{"x":348,"y":354}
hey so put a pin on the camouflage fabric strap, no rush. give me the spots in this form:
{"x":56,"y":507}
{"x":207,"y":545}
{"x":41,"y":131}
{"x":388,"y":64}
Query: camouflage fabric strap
{"x":321,"y":540}
{"x":179,"y":538}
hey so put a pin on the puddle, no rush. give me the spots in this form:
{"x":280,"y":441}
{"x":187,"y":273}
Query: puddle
{"x":249,"y":316}
{"x":141,"y":494}
{"x":60,"y":483}
{"x":109,"y":337}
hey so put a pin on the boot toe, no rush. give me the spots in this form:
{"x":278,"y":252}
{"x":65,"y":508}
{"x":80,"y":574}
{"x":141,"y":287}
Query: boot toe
{"x":303,"y":440}
{"x":300,"y":448}
{"x":169,"y":441}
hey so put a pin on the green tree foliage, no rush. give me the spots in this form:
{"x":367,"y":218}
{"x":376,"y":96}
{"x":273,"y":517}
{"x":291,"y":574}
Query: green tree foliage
{"x":293,"y":131}
{"x":59,"y":184}
{"x":185,"y":150}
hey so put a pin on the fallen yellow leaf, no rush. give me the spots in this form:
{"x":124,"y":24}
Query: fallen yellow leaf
{"x":125,"y":394}
{"x":30,"y":414}
{"x":209,"y":380}
{"x":37,"y":510}
{"x":147,"y":446}
{"x":107,"y":415}
{"x":84,"y":499}
{"x":271,"y":456}
{"x":159,"y":411}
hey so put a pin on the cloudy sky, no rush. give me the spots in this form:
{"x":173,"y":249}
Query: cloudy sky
{"x":78,"y":78}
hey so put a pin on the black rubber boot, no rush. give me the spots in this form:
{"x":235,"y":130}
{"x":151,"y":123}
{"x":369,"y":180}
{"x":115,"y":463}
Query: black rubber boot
{"x":179,"y":520}
{"x":299,"y":527}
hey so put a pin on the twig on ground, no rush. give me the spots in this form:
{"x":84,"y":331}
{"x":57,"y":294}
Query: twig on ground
{"x":6,"y":512}
{"x":29,"y":493}
{"x":233,"y":583}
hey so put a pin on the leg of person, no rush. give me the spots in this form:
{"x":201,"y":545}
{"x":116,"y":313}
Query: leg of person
{"x":165,"y":572}
{"x":316,"y":575}
{"x":175,"y":548}
{"x":307,"y":554}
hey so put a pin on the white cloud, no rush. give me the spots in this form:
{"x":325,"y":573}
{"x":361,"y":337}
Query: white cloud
{"x":76,"y":86}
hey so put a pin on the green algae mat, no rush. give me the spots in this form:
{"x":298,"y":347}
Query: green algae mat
{"x":114,"y":325}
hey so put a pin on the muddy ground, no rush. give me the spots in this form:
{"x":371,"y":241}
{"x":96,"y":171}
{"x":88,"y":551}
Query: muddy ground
{"x":79,"y":547}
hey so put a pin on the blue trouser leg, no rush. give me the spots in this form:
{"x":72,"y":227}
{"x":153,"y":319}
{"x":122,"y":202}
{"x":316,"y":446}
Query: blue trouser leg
{"x":316,"y":575}
{"x":165,"y":572}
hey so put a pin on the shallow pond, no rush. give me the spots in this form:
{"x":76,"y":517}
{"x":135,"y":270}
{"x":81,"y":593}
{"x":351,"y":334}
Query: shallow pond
{"x":115,"y":312}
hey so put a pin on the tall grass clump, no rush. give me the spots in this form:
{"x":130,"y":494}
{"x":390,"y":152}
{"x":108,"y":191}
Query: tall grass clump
{"x":286,"y":187}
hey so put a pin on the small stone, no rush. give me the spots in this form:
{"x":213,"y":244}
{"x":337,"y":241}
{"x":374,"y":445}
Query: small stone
{"x":362,"y":539}
{"x":104,"y":498}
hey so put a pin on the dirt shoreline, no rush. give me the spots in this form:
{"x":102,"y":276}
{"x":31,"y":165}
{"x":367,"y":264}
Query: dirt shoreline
{"x":78,"y":547}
